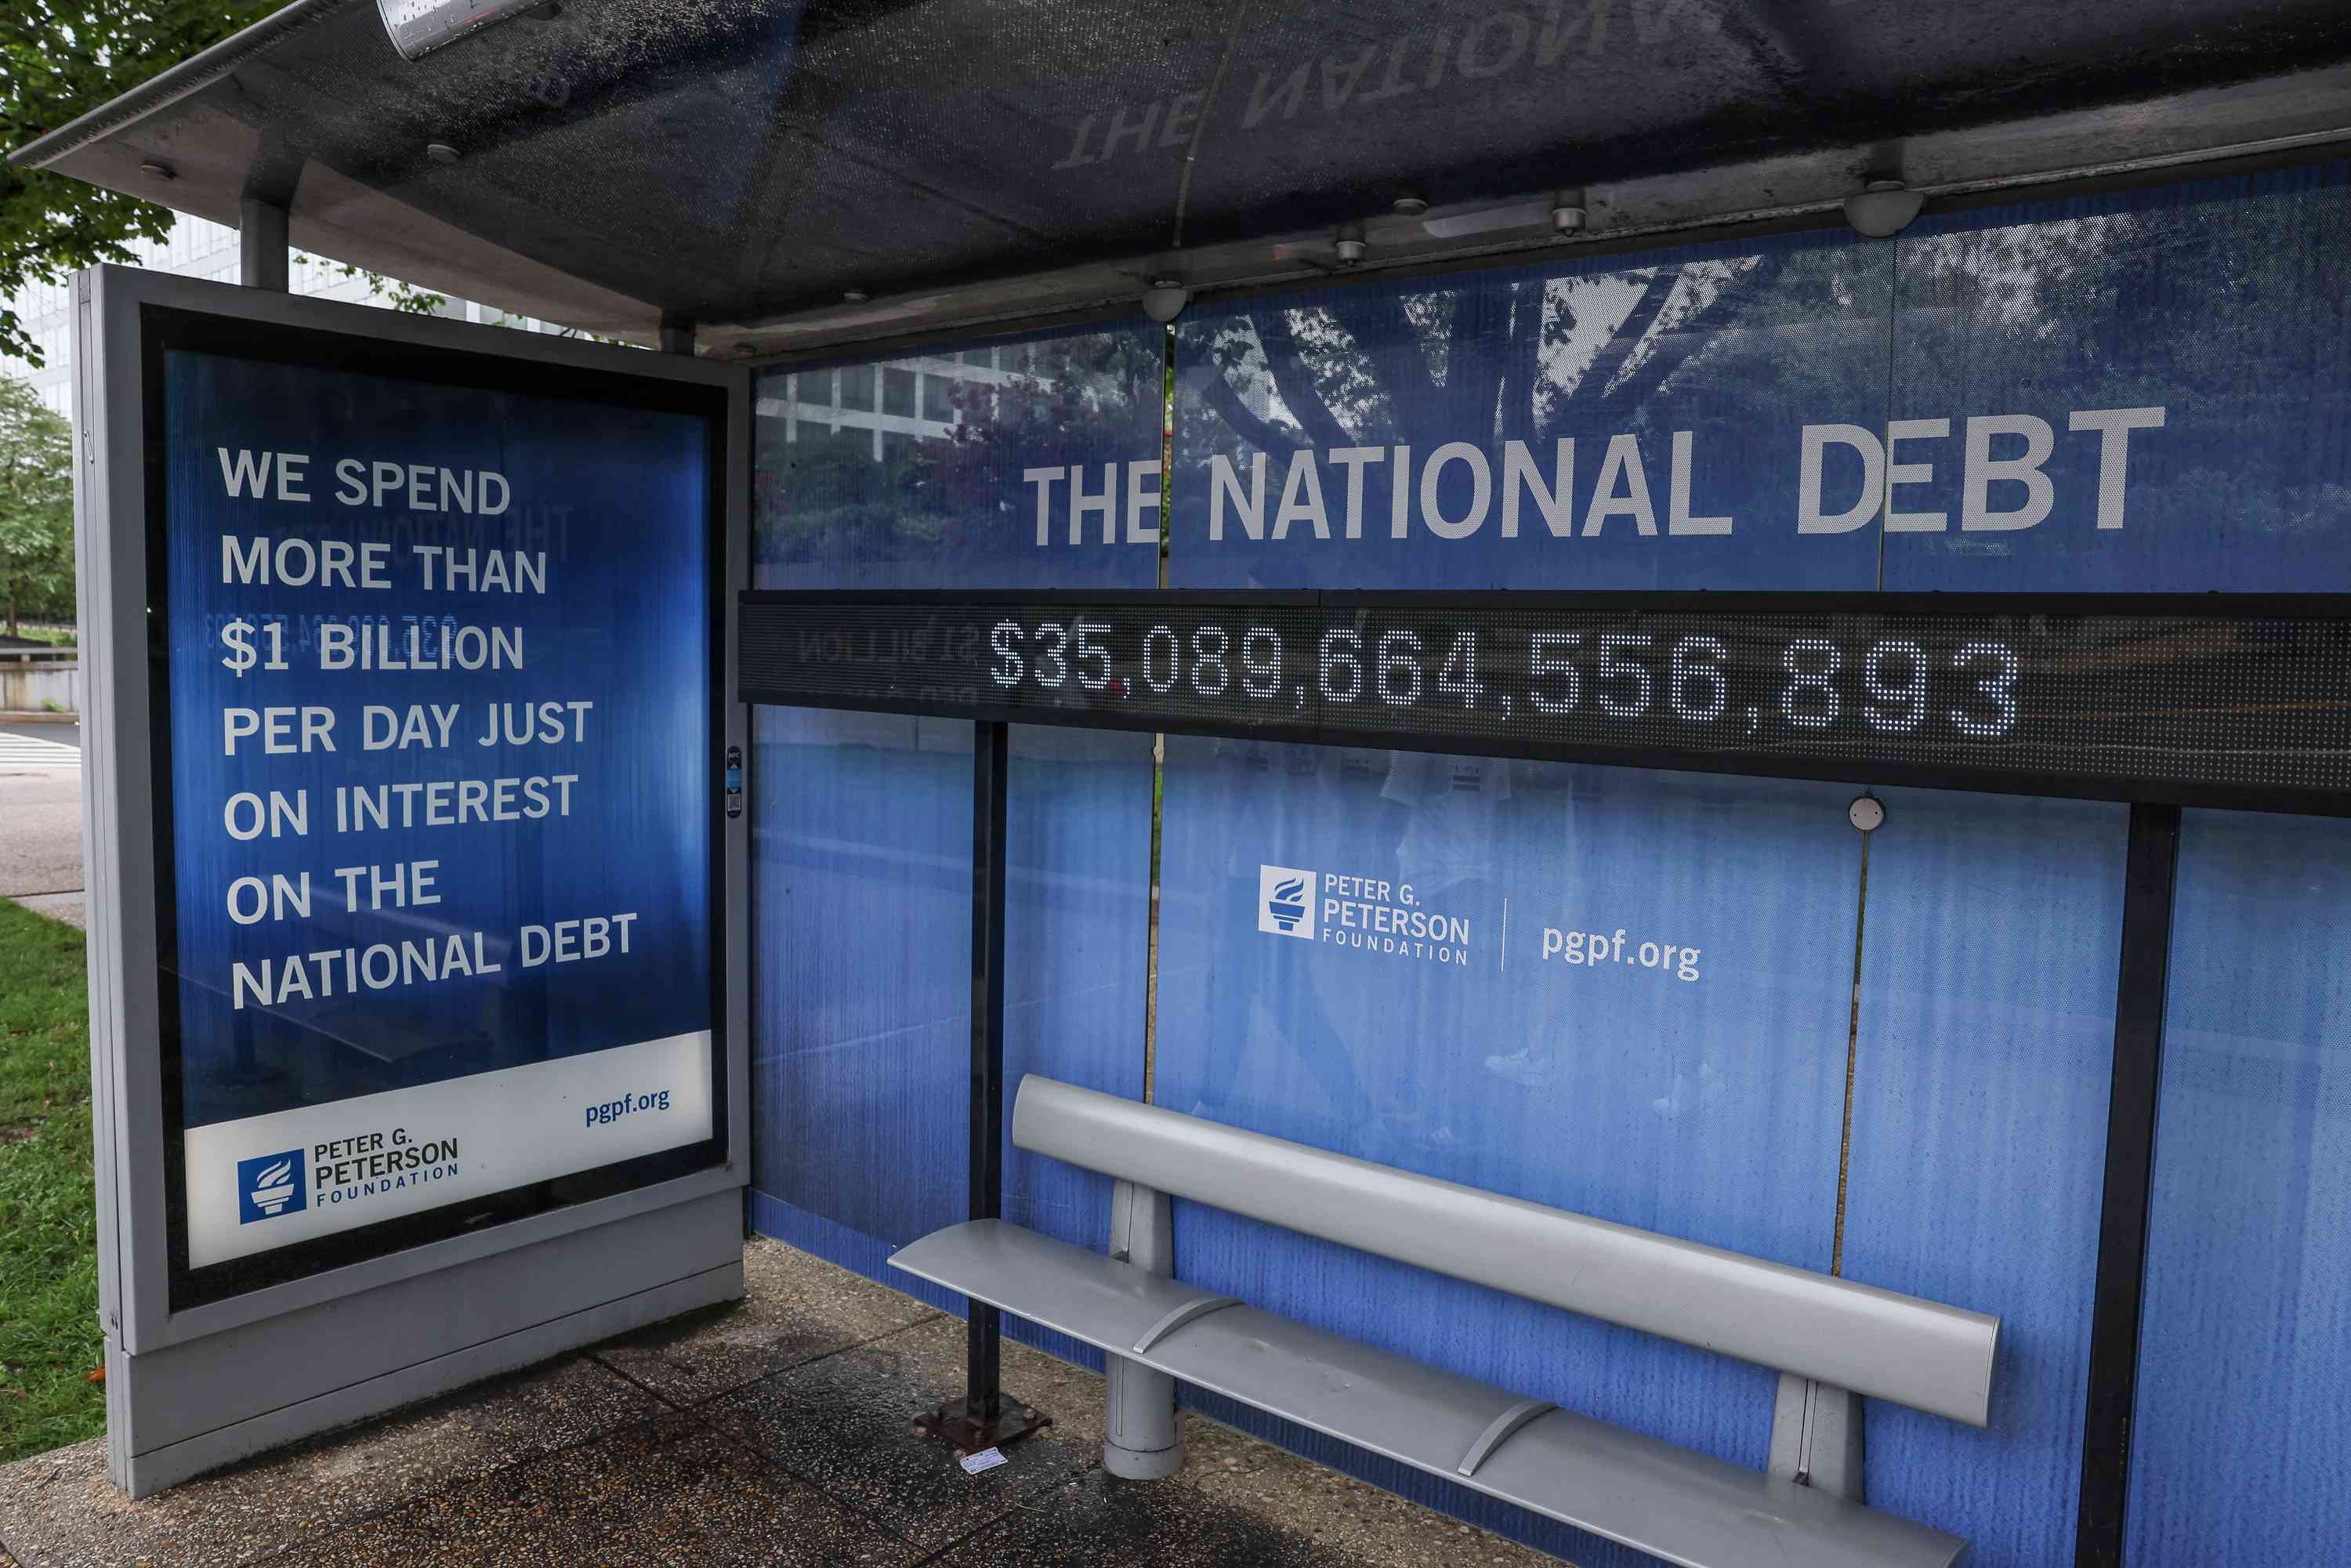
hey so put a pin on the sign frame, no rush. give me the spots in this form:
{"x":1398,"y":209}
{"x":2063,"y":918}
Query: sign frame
{"x":143,"y":1298}
{"x":764,"y":611}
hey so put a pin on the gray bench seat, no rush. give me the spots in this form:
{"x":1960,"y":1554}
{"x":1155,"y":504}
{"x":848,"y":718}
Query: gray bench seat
{"x":1682,"y":1507}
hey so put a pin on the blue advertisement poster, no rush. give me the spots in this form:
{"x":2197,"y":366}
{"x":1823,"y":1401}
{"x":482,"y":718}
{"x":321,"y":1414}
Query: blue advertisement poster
{"x":439,"y":802}
{"x":2136,"y":392}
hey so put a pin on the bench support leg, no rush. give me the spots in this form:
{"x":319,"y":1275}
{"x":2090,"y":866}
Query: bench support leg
{"x":1816,"y":1437}
{"x":1143,"y":1435}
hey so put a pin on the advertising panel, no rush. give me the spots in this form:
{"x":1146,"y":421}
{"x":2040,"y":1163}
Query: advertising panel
{"x":2133,"y":393}
{"x":437,"y":789}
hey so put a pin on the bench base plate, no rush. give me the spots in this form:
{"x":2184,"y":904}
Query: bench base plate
{"x":957,"y":1426}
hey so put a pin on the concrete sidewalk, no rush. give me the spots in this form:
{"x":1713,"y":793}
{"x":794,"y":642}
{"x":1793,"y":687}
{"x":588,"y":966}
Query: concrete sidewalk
{"x":40,"y":819}
{"x":774,"y":1432}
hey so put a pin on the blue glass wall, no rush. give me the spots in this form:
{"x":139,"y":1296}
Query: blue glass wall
{"x":906,"y":475}
{"x":1548,"y":1047}
{"x":2178,"y":355}
{"x":1983,"y":1046}
{"x":2244,"y":1383}
{"x":1647,"y":989}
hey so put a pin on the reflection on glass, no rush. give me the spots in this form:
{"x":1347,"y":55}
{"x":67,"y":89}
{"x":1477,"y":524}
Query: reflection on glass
{"x":862,"y":831}
{"x":932,"y":483}
{"x":1410,"y":434}
{"x":2174,"y":361}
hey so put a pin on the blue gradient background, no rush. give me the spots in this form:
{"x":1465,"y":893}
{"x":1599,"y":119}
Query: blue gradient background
{"x":618,"y":497}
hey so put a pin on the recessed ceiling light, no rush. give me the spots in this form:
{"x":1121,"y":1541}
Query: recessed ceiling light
{"x":417,"y":28}
{"x":158,"y":170}
{"x":441,"y":152}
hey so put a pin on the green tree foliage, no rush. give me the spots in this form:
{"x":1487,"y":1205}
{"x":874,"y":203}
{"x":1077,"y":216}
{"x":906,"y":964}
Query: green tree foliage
{"x":36,"y":535}
{"x":58,"y":59}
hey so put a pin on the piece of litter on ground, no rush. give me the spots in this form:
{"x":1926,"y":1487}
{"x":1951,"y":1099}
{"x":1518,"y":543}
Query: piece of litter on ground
{"x":986,"y":1460}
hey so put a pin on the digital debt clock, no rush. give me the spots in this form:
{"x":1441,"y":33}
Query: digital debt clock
{"x":2190,"y":699}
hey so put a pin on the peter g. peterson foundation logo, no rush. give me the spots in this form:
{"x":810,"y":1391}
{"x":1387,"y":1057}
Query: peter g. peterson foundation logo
{"x":1285,"y":900}
{"x":270,"y":1185}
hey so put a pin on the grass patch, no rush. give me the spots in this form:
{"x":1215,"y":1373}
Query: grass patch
{"x":49,"y":1339}
{"x":56,"y":636}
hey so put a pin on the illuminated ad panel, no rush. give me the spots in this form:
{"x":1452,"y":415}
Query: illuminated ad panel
{"x":437,"y":810}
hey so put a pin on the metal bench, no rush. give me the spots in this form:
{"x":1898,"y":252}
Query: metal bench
{"x":1832,"y":1341}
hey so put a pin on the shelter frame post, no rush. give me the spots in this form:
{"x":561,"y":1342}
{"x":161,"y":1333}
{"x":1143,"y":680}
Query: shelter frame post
{"x":984,"y":1417}
{"x":2150,"y":874}
{"x":262,"y":246}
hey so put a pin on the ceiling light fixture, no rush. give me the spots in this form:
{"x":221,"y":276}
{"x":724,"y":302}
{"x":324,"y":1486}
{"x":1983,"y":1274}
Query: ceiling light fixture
{"x":417,"y":28}
{"x":1164,"y":299}
{"x":1883,"y":207}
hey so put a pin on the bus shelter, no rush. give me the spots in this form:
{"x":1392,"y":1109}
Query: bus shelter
{"x":1641,"y":706}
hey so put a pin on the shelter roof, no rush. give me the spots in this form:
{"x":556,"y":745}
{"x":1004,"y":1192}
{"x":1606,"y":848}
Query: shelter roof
{"x":749,"y":165}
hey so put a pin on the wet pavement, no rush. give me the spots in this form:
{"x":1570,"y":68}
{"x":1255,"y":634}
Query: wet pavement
{"x":775,"y":1431}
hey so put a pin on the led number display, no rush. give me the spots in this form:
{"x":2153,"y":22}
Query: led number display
{"x":2172,"y":699}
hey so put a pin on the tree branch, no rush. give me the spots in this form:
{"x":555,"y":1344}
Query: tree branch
{"x":1636,"y":326}
{"x":1375,"y":318}
{"x":1522,"y":359}
{"x":1295,"y":382}
{"x":1259,"y":432}
{"x":1674,"y":350}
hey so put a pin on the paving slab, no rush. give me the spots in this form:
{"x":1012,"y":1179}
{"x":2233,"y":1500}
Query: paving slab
{"x":795,"y":1308}
{"x":1096,"y":1521}
{"x":59,"y":1510}
{"x":779,"y":1433}
{"x":672,"y":1490}
{"x":846,"y":1424}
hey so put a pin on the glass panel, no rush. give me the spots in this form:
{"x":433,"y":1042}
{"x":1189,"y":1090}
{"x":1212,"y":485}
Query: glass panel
{"x":2244,"y":1382}
{"x":1983,"y":1061}
{"x":939,"y":395}
{"x":1603,"y":424}
{"x":1618,"y":992}
{"x":2135,"y":391}
{"x":842,"y":503}
{"x":856,"y":387}
{"x":861,"y":823}
{"x":897,"y":391}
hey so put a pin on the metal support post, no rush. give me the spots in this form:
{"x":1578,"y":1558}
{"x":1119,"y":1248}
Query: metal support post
{"x":2150,"y":870}
{"x":984,"y":1417}
{"x":1142,"y":1437}
{"x":1816,"y":1437}
{"x":262,"y":260}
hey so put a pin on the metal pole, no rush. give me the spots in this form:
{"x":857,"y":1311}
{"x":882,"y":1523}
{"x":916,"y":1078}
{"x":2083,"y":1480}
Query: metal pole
{"x":991,"y":759}
{"x":984,"y":1417}
{"x":2150,"y":865}
{"x":261,"y":246}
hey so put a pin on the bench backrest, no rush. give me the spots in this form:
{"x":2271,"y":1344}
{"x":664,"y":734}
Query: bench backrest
{"x":1875,"y":1342}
